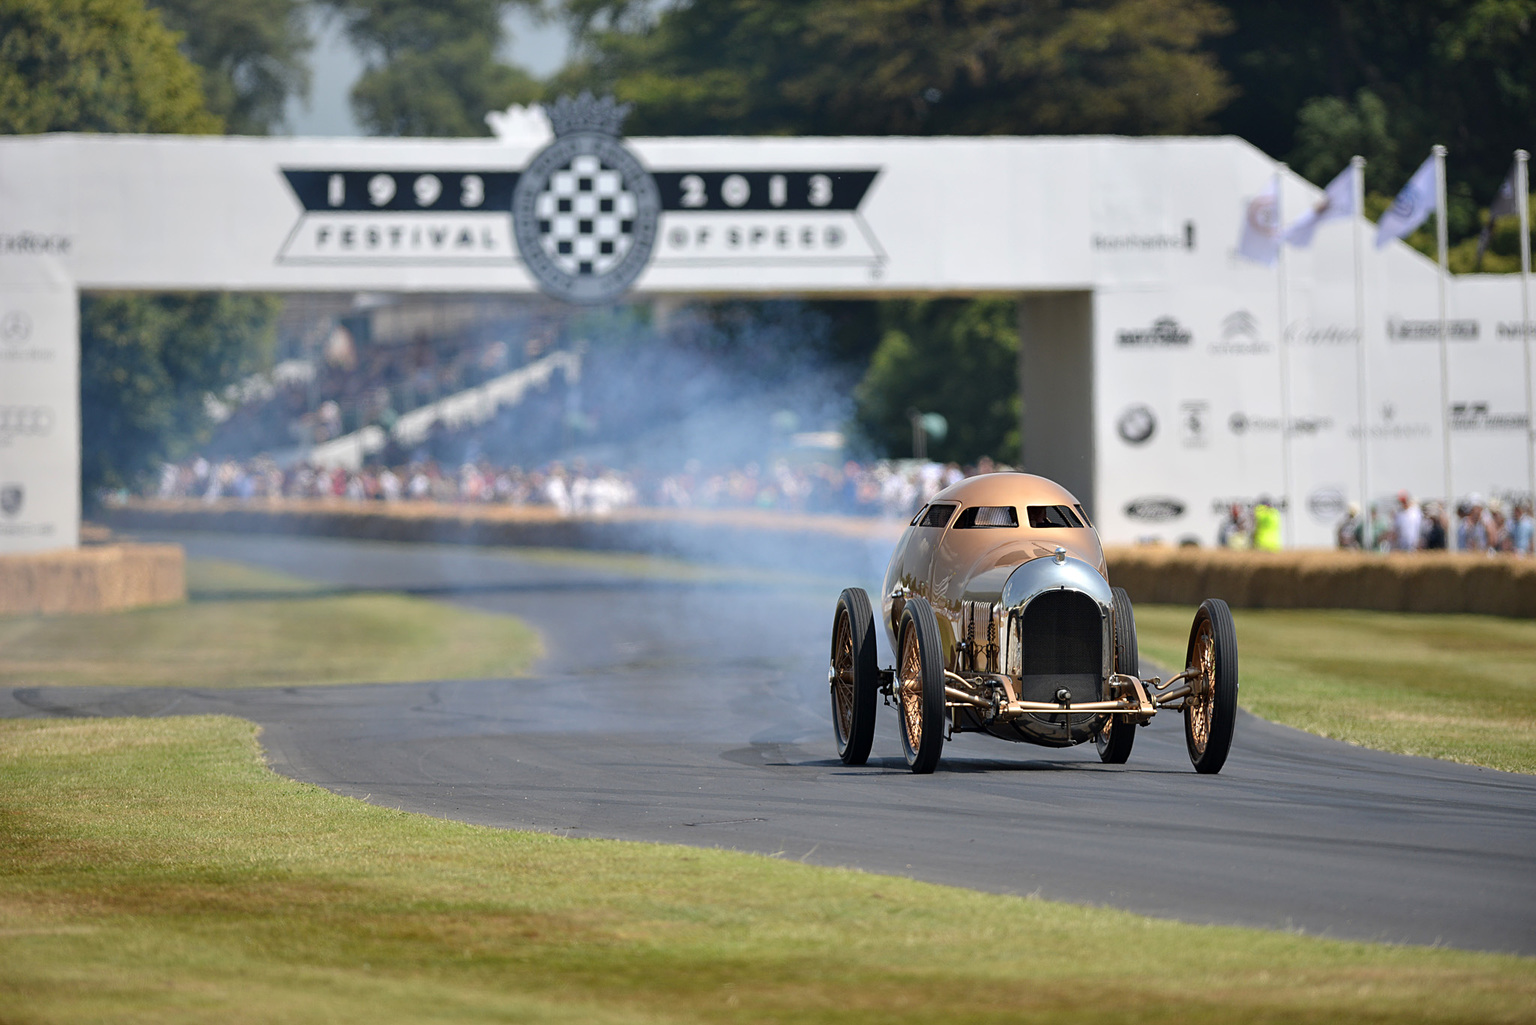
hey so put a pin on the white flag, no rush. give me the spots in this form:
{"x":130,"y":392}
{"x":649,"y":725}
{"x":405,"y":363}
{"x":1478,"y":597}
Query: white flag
{"x":1412,"y":206}
{"x":1260,"y":240}
{"x":1338,"y":201}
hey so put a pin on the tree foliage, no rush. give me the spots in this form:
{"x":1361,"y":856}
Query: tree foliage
{"x":1457,"y":72}
{"x":903,"y":66}
{"x":949,"y":356}
{"x":431,"y":69}
{"x":253,"y":55}
{"x":147,"y":364}
{"x":94,"y":66}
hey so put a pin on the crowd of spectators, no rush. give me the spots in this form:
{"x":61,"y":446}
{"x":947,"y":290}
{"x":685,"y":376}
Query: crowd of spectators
{"x":351,"y":386}
{"x":885,"y":488}
{"x":1480,"y":526}
{"x":1401,"y":526}
{"x":1409,"y":526}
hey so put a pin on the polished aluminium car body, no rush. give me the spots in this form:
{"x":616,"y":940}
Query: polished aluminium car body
{"x":998,"y":605}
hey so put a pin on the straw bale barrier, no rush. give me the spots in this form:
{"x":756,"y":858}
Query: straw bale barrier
{"x":844,"y":545}
{"x":839,"y":545}
{"x":1401,"y":582}
{"x":98,"y":578}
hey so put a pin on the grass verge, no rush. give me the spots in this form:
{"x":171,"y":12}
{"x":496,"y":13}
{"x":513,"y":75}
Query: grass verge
{"x":1461,"y":688}
{"x":245,"y":627}
{"x":155,"y":870}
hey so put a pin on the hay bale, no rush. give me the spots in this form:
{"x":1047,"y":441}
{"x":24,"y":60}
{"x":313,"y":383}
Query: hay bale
{"x":101,"y":578}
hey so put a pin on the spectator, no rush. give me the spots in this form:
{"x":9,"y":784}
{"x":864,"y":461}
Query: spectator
{"x":1434,"y":527}
{"x":1266,"y":525}
{"x":1234,"y":533}
{"x":1351,"y":529}
{"x":1522,"y":529}
{"x":1407,"y":525}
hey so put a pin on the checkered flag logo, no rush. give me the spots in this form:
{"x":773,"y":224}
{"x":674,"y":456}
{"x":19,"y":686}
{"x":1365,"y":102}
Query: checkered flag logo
{"x":586,"y":217}
{"x":584,"y":213}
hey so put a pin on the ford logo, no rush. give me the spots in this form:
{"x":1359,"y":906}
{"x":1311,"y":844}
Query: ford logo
{"x":1155,"y":510}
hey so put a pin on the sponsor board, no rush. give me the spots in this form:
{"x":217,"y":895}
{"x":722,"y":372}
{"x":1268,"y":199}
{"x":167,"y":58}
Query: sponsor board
{"x":24,"y":422}
{"x":1305,"y":332}
{"x":1194,"y":421}
{"x":27,"y":243}
{"x":1239,"y":336}
{"x":1137,"y":424}
{"x":1399,"y":330}
{"x":1154,"y":242}
{"x":1165,"y":332}
{"x":1478,"y":416}
{"x":15,"y":332}
{"x":1390,"y":428}
{"x":1223,"y":505}
{"x":1243,"y":423}
{"x":1154,"y":509}
{"x":1327,"y":504}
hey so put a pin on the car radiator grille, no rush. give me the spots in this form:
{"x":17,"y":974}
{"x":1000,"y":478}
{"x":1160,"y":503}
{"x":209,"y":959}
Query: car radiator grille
{"x":1062,"y":636}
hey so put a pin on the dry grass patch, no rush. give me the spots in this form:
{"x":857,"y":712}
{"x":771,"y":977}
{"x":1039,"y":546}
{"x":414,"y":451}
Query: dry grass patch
{"x":155,"y":870}
{"x":245,"y":627}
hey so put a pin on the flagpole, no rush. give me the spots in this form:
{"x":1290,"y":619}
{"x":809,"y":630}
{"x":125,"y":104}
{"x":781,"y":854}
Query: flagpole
{"x":1523,"y":205}
{"x":1285,"y":377}
{"x":1445,"y":383}
{"x":1362,"y":385}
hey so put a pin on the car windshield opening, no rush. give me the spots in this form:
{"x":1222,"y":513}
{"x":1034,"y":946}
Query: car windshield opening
{"x":934,"y":516}
{"x":988,"y":516}
{"x":1053,"y":516}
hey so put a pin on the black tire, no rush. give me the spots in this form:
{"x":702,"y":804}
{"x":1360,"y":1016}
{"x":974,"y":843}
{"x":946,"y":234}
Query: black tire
{"x":855,"y":676}
{"x":1210,"y":712}
{"x":920,"y":686}
{"x":1114,"y":741}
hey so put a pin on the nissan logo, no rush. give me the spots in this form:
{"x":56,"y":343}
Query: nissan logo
{"x":1155,"y":510}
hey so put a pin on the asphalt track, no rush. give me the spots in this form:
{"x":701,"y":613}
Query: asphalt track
{"x":696,"y":712}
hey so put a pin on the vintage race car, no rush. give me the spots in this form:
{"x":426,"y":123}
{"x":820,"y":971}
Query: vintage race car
{"x":998,"y":606}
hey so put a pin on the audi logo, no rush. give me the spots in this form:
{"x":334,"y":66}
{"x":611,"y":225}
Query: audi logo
{"x":25,"y":421}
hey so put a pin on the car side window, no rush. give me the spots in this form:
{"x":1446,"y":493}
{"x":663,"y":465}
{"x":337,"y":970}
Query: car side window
{"x":1053,"y":516}
{"x":988,"y":516}
{"x":934,"y":516}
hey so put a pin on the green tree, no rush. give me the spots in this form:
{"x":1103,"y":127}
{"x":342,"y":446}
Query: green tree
{"x":949,"y":356}
{"x":254,"y":55}
{"x":1457,"y":72}
{"x":147,"y":365}
{"x":94,"y":66}
{"x":903,"y":66}
{"x":146,"y":362}
{"x":431,"y":67}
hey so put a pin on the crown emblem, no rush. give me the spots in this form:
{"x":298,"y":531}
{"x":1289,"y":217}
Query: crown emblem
{"x":586,"y":114}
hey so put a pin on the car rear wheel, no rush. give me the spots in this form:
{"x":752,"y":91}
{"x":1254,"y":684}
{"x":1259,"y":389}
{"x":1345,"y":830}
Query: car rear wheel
{"x":1115,"y":739}
{"x":1210,"y":711}
{"x":855,"y":676}
{"x":920,"y":686}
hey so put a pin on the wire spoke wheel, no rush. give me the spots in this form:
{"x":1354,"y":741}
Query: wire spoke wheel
{"x":1210,"y":710}
{"x":920,"y":686}
{"x":854,"y":676}
{"x":911,"y":682}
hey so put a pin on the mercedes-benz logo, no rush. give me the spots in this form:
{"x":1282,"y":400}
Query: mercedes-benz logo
{"x":15,"y":326}
{"x":585,"y":210}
